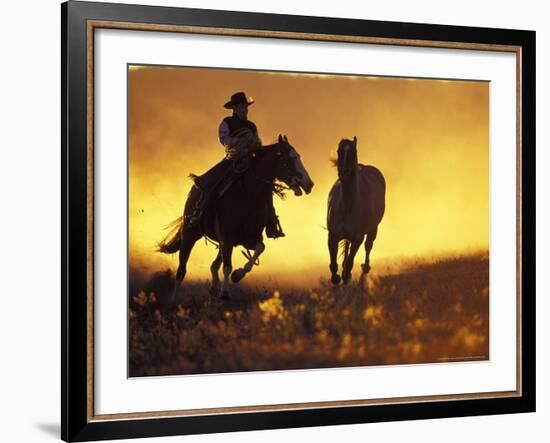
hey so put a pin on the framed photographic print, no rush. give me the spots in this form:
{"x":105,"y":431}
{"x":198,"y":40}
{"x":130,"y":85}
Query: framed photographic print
{"x":276,"y":221}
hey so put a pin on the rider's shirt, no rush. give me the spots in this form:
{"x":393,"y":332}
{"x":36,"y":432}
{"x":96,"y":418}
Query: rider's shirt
{"x":231,"y":127}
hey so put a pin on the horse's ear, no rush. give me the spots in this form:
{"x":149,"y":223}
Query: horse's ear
{"x":285,"y":139}
{"x":355,"y":142}
{"x":280,"y":138}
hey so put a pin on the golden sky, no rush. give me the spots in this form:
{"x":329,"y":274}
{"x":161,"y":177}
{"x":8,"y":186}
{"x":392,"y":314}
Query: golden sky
{"x":430,"y":139}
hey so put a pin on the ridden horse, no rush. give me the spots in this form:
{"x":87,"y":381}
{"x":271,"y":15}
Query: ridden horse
{"x":356,"y":206}
{"x":239,"y":216}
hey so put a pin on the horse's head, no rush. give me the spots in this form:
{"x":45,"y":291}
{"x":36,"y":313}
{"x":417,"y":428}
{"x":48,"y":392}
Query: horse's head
{"x":290,"y":169}
{"x":347,"y":157}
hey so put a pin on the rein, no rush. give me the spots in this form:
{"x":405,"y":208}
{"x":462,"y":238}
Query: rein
{"x":282,"y":160}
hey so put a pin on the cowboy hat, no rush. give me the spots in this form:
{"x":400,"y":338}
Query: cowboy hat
{"x":239,"y":98}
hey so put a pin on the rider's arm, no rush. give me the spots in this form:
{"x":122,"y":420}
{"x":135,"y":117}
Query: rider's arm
{"x":225,"y":139}
{"x":258,"y":139}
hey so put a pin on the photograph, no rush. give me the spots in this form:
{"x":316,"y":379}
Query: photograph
{"x":274,"y":220}
{"x":285,"y":220}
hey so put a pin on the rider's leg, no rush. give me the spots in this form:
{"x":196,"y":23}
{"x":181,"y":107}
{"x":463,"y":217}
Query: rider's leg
{"x":209,"y":184}
{"x":273,"y":227}
{"x":199,"y":207}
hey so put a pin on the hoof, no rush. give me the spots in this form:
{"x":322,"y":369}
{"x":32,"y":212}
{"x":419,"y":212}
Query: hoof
{"x":366,"y":268}
{"x":346,"y":278}
{"x":335,"y":279}
{"x":237,"y":275}
{"x":224,"y":295}
{"x":214,"y":291}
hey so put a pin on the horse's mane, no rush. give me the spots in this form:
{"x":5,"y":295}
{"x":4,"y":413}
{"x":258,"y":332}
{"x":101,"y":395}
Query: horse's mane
{"x":278,"y":188}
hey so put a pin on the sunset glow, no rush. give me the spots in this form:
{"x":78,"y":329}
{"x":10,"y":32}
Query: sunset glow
{"x":430,"y":139}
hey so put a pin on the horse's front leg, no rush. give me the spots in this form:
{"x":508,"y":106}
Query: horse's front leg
{"x":238,"y":274}
{"x":333,"y":251}
{"x":214,"y":268}
{"x":371,"y":236}
{"x":227,"y":251}
{"x":348,"y":262}
{"x":188,"y":239}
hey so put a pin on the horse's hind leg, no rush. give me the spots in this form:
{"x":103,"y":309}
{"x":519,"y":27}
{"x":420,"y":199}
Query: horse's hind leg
{"x":371,"y":236}
{"x":214,"y":268}
{"x":348,"y":262}
{"x":226,"y":251}
{"x":333,"y":251}
{"x":188,"y":239}
{"x":238,"y":274}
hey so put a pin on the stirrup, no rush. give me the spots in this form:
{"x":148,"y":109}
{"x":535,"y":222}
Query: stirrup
{"x":275,"y":230}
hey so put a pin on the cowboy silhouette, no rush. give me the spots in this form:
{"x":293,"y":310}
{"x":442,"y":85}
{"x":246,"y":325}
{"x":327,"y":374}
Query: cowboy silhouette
{"x":239,"y":137}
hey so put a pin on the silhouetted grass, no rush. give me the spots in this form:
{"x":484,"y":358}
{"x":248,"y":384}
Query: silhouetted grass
{"x":428,"y":313}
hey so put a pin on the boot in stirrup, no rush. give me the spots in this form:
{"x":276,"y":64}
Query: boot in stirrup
{"x":273,"y":228}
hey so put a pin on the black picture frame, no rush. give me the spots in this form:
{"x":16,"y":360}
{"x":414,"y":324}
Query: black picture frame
{"x":77,"y":424}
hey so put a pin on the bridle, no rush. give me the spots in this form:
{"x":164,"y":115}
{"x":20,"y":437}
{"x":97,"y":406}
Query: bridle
{"x":284,"y":163}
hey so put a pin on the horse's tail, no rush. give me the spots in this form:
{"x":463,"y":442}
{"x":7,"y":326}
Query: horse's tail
{"x":343,"y":246}
{"x":171,"y":243}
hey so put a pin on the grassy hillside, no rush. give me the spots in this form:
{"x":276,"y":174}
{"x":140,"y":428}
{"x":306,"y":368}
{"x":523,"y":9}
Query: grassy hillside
{"x":427,"y":313}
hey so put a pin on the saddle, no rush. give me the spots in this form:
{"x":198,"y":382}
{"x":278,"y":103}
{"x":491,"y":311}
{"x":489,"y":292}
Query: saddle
{"x":215,"y":182}
{"x":218,"y":179}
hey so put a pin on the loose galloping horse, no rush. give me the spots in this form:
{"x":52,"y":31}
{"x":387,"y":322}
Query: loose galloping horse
{"x":239,"y":216}
{"x":356,"y":206}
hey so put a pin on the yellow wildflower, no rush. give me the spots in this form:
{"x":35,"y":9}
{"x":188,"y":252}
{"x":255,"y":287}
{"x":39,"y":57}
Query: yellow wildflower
{"x":420,"y":323}
{"x":322,"y":335}
{"x":181,"y":311}
{"x":373,"y":315}
{"x":141,"y":298}
{"x":345,"y":347}
{"x":372,"y":283}
{"x":272,"y":308}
